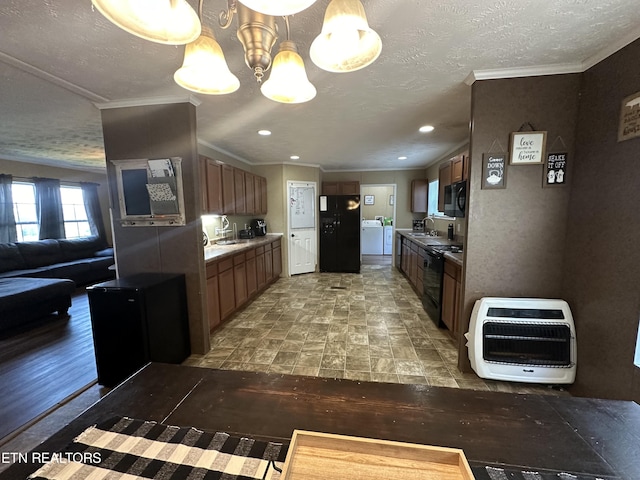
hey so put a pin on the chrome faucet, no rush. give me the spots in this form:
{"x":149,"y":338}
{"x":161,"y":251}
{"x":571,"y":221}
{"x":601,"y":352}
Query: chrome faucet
{"x":424,"y":222}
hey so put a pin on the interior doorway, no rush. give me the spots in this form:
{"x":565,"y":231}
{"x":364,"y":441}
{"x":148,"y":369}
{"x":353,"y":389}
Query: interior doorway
{"x":378,"y":212}
{"x":301,"y":215}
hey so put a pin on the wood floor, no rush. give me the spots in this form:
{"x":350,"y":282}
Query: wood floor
{"x":43,"y":366}
{"x":584,"y":438}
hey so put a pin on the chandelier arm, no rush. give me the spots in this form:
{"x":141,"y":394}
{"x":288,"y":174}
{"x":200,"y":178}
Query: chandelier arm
{"x":226,"y":16}
{"x":286,"y":24}
{"x":200,"y":2}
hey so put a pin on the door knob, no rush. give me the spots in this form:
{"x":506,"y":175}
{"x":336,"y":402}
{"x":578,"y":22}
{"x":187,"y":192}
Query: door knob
{"x":293,"y":235}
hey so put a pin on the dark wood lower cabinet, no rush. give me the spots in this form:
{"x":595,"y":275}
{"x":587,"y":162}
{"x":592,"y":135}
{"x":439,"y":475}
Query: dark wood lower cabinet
{"x":451,"y":296}
{"x":233,"y":281}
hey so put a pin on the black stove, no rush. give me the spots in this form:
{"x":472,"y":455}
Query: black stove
{"x":445,"y":248}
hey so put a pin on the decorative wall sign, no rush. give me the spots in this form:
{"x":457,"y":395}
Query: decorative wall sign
{"x":369,"y":199}
{"x":494,"y":170}
{"x":629,"y":118}
{"x":527,"y":148}
{"x":555,"y":172}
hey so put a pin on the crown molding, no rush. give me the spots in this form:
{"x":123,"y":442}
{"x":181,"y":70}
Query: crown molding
{"x":49,"y":77}
{"x":225,"y":152}
{"x":553,"y":69}
{"x":146,"y":101}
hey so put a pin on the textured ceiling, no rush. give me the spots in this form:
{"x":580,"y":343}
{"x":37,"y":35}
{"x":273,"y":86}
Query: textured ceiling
{"x":58,"y":59}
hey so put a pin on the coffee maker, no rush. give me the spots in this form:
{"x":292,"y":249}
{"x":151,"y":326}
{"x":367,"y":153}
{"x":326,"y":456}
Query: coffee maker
{"x":259,"y":227}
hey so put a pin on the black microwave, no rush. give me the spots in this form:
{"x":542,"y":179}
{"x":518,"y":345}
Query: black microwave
{"x":455,"y":198}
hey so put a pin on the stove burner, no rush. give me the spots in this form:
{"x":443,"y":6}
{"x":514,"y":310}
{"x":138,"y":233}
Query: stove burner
{"x":445,"y":248}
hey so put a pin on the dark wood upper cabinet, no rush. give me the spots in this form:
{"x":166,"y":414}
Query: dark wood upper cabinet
{"x":263,"y":195}
{"x":457,"y":168}
{"x":240,"y":202}
{"x":444,"y":179}
{"x":419,"y":195}
{"x":249,"y":193}
{"x":228,"y":190}
{"x":341,"y":188}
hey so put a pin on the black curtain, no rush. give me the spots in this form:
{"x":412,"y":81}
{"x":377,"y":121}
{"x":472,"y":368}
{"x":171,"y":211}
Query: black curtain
{"x":92,"y":207}
{"x":49,"y":208}
{"x":7,"y":219}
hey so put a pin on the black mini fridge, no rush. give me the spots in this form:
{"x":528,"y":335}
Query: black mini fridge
{"x":136,"y":320}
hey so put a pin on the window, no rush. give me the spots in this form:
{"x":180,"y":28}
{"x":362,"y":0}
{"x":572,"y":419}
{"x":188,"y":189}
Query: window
{"x":432,"y":205}
{"x":24,"y":210}
{"x":76,"y":223}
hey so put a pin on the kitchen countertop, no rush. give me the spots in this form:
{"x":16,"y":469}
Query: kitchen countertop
{"x":426,"y":240}
{"x":218,"y":252}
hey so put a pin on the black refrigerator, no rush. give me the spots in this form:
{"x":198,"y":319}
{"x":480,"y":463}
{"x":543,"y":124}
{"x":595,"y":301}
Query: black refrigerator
{"x":339,"y":233}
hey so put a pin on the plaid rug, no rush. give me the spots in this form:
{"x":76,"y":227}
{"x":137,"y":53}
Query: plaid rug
{"x":124,"y":448}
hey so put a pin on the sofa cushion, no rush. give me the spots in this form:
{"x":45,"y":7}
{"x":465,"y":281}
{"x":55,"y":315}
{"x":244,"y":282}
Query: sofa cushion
{"x":70,"y":270}
{"x":40,"y":253}
{"x":77,"y":248}
{"x":10,"y":258}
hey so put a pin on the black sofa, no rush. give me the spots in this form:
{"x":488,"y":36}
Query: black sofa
{"x":83,"y":260}
{"x":65,"y":264}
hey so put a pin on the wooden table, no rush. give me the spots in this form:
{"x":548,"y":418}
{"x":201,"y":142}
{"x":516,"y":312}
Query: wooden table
{"x":577,"y":435}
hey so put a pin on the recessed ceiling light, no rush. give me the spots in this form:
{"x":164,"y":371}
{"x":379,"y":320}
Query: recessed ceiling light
{"x":402,"y":158}
{"x":426,"y":128}
{"x":264,"y":133}
{"x":294,"y":157}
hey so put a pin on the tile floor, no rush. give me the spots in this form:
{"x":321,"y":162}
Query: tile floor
{"x":369,"y":326}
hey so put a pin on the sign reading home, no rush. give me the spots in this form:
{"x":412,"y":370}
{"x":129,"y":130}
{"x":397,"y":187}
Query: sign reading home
{"x":527,"y":147}
{"x":556,"y":169}
{"x":629,"y":118}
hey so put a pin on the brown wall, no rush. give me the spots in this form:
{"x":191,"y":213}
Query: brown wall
{"x":516,"y":236}
{"x":161,"y":131}
{"x":602,"y":260}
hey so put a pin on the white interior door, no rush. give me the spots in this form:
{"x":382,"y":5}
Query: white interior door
{"x":302,"y":227}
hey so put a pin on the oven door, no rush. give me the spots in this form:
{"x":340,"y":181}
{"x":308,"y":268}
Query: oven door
{"x":432,"y":285}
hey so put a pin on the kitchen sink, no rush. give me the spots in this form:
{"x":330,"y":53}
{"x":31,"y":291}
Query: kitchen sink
{"x":418,"y":234}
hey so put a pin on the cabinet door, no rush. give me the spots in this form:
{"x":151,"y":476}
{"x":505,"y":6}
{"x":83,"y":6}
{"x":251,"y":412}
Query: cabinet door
{"x":226,"y":288}
{"x":457,"y":168}
{"x":252,"y":279}
{"x":238,"y":179}
{"x":213,"y":301}
{"x":413,"y":264}
{"x":228,"y":191}
{"x":214,"y":186}
{"x":349,"y":188}
{"x":263,"y":195}
{"x":448,"y":301}
{"x":203,"y":184}
{"x":260,"y":270}
{"x":330,"y":188}
{"x":240,"y":283}
{"x":249,"y":193}
{"x":268,"y":263}
{"x":419,"y":195}
{"x":257,"y":194}
{"x":444,"y":179}
{"x":277,"y":262}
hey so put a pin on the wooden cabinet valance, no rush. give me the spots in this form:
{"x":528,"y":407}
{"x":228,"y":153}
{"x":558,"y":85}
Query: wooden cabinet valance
{"x":341,"y":188}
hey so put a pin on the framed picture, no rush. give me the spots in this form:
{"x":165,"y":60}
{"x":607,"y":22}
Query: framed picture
{"x":494,"y":170}
{"x":369,"y":199}
{"x":629,"y":118}
{"x":527,"y":148}
{"x":391,"y":199}
{"x":555,"y":171}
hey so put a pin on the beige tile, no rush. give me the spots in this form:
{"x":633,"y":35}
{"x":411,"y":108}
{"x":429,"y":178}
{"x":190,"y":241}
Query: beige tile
{"x":291,"y":346}
{"x":383,"y":365}
{"x":413,"y":379}
{"x":385,"y":377}
{"x":284,"y":369}
{"x":409,"y":367}
{"x":285,"y":358}
{"x":328,"y":373}
{"x":354,"y":375}
{"x":307,"y":371}
{"x":333,"y":362}
{"x":404,"y":353}
{"x":309,"y":359}
{"x":357,"y":350}
{"x":358,"y":364}
{"x":263,"y":356}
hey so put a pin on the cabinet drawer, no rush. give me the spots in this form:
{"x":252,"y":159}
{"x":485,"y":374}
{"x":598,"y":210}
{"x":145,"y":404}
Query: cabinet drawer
{"x":212,"y":269}
{"x":260,"y":250}
{"x":452,"y":269}
{"x":250,"y":253}
{"x":224,"y":265}
{"x":238,"y":259}
{"x":275,"y":244}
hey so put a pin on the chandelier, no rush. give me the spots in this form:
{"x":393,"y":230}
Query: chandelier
{"x":346,"y":42}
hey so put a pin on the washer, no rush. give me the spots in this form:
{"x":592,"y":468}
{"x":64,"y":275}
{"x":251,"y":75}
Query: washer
{"x":371,"y":237}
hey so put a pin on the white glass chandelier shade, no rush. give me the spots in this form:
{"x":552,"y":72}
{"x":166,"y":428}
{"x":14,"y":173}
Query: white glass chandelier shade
{"x":346,"y":42}
{"x":278,"y":8}
{"x":288,"y":82}
{"x":205,"y":69}
{"x":172,"y":22}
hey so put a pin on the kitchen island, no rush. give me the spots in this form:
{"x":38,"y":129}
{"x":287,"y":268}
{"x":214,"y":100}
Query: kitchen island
{"x":237,"y":272}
